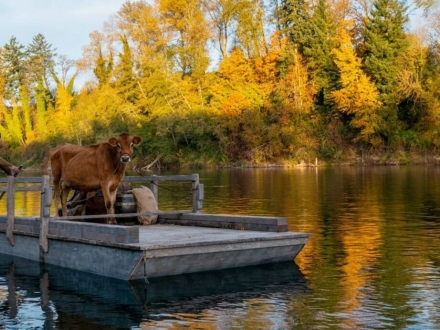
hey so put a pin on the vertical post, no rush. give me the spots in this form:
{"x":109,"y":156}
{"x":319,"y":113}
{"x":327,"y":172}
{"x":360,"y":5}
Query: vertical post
{"x":10,"y":206}
{"x":154,"y":190}
{"x":195,"y":187}
{"x":200,"y":196}
{"x":46,"y":200}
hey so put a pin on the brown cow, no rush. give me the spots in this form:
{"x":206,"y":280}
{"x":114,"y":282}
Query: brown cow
{"x":99,"y":166}
{"x":8,"y":168}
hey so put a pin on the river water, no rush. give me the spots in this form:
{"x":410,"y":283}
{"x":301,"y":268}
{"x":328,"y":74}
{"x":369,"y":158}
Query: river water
{"x":372,"y":261}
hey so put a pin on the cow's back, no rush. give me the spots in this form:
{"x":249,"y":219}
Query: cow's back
{"x":59,"y":158}
{"x":79,"y":167}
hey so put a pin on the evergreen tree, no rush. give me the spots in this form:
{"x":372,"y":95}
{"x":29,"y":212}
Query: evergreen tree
{"x":13,"y":59}
{"x":385,"y":41}
{"x":41,"y":59}
{"x":293,"y":18}
{"x":40,"y":65}
{"x":125,"y":83}
{"x":318,"y":47}
{"x":312,"y":32}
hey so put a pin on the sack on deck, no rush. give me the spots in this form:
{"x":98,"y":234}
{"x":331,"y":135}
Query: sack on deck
{"x":145,"y":202}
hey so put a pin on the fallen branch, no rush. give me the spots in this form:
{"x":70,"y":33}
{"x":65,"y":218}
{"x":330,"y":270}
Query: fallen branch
{"x":139,"y":168}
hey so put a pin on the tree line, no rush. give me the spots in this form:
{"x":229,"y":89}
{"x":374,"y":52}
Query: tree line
{"x":218,"y":82}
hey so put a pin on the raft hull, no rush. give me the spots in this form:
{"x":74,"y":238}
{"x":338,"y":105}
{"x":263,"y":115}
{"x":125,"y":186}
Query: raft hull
{"x":134,"y":252}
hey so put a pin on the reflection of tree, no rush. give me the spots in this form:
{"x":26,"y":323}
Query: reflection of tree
{"x":361,"y":243}
{"x":369,"y":241}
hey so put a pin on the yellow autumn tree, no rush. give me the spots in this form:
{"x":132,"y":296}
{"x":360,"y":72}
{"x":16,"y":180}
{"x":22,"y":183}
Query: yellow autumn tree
{"x":267,"y":67}
{"x":61,"y":114}
{"x":357,"y":95}
{"x":237,"y":101}
{"x":296,"y":88}
{"x":10,"y":120}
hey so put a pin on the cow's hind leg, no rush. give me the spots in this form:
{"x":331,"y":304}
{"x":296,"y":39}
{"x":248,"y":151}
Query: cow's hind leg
{"x":56,"y":196}
{"x":56,"y":177}
{"x":64,"y":193}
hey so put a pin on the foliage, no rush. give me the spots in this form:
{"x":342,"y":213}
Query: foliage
{"x":357,"y":95}
{"x":333,"y":77}
{"x":385,"y":43}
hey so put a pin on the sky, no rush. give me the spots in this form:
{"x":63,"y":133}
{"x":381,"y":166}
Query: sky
{"x":66,"y":24}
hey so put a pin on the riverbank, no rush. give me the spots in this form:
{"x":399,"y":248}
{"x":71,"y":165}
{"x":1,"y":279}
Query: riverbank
{"x":353,"y":159}
{"x":350,"y":157}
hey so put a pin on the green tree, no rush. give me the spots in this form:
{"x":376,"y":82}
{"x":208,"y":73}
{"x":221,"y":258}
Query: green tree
{"x":317,"y":50}
{"x":125,"y":80}
{"x":385,"y":42}
{"x":14,"y":60}
{"x":41,"y":65}
{"x":41,"y":59}
{"x":293,"y":18}
{"x":312,"y":31}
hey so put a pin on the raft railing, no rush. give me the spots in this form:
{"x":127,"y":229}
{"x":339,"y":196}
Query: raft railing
{"x":43,"y":185}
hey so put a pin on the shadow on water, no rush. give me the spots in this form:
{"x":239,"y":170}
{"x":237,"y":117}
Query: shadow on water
{"x":47,"y":296}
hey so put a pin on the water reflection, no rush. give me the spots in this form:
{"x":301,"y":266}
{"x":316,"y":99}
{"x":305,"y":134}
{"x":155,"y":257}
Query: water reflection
{"x":33,"y":295}
{"x":372,"y":261}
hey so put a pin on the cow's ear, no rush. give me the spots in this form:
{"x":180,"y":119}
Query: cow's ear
{"x":137,"y":140}
{"x":113,"y":141}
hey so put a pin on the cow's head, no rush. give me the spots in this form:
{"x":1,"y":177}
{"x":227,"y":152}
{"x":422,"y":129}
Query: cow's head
{"x":124,"y":143}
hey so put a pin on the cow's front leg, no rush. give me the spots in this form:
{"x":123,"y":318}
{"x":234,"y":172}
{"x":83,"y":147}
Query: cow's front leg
{"x":112,"y":207}
{"x":109,"y":201}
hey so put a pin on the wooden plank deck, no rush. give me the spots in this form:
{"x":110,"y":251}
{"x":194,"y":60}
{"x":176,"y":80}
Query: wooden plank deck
{"x":161,"y":236}
{"x":172,"y":250}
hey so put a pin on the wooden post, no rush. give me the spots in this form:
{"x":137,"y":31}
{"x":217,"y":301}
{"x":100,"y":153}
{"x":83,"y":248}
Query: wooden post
{"x":10,"y":206}
{"x":200,"y":196}
{"x":46,"y":199}
{"x":195,"y":187}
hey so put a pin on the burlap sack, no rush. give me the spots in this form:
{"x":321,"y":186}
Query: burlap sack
{"x":145,"y":202}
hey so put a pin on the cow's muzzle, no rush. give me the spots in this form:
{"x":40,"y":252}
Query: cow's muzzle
{"x":125,"y":158}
